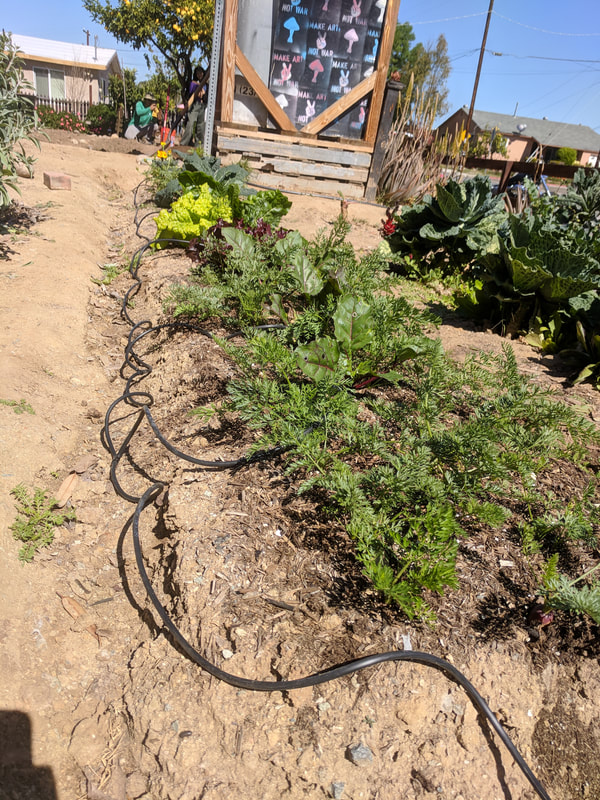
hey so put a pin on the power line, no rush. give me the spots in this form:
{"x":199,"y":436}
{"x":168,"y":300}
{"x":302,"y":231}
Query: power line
{"x":508,"y":19}
{"x":542,"y":30}
{"x":449,"y":19}
{"x":547,"y":58}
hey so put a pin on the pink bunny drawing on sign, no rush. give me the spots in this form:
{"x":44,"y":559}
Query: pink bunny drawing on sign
{"x":361,"y":115}
{"x":325,"y":6}
{"x":355,"y":10}
{"x":286,"y":72}
{"x":344,"y":77}
{"x":310,"y":109}
{"x":321,"y":42}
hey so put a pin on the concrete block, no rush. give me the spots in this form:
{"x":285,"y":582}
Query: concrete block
{"x":57,"y":180}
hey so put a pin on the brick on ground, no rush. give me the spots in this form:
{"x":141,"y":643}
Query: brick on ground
{"x":57,"y":180}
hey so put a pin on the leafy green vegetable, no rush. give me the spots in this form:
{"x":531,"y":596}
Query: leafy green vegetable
{"x":191,"y":216}
{"x":199,"y":170}
{"x":460,"y":223}
{"x":269,"y":206}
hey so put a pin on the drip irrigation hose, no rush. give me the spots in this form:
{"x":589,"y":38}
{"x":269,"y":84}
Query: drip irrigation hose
{"x":142,"y":401}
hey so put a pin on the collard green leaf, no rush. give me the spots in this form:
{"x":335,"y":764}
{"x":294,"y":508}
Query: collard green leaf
{"x":527,"y":273}
{"x":168,"y":194}
{"x":560,"y":287}
{"x":435,"y":233}
{"x":352,"y":322}
{"x":191,"y":180}
{"x":451,"y":207}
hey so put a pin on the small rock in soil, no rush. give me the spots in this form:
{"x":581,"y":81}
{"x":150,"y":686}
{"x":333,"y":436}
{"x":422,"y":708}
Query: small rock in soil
{"x":336,"y":790}
{"x":359,"y":754}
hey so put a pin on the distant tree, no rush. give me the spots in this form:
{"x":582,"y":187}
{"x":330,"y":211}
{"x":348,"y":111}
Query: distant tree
{"x":486,"y":143}
{"x":429,"y":64}
{"x":115,"y":88}
{"x":180,"y":30}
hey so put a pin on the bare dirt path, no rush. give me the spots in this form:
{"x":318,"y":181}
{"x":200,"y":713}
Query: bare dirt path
{"x":44,"y":360}
{"x":94,"y":701}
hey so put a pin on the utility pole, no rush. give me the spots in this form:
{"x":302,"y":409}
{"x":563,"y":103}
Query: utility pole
{"x":481,"y":52}
{"x":87,"y":36}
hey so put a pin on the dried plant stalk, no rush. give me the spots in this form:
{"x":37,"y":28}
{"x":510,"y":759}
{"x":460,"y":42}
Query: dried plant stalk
{"x":416,"y":158}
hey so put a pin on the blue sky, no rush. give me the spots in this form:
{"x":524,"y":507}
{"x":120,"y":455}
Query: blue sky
{"x":65,"y":21}
{"x":550,"y":62}
{"x":534,"y":36}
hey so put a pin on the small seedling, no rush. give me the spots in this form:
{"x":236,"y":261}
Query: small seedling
{"x":562,"y":593}
{"x":110,"y":272}
{"x":19,"y":407}
{"x":36,"y":520}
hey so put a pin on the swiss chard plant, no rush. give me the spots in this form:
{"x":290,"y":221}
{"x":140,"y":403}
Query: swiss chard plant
{"x":349,"y":351}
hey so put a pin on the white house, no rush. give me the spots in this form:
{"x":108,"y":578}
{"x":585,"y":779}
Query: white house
{"x":65,"y":75}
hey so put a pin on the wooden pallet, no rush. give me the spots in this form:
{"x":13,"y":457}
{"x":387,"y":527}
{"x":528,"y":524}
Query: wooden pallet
{"x":299,"y":163}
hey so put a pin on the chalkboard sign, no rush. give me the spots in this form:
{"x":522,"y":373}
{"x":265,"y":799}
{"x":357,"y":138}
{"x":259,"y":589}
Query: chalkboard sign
{"x":322,"y":49}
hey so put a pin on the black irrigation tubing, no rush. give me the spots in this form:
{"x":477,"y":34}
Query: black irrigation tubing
{"x":142,"y":401}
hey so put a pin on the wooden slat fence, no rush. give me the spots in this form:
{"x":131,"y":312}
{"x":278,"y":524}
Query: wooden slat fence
{"x":79,"y":107}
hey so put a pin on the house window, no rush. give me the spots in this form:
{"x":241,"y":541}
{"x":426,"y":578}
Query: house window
{"x":49,"y":83}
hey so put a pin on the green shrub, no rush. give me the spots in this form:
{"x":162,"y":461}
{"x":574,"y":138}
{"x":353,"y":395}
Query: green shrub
{"x":101,"y":120}
{"x":566,"y":155}
{"x":60,"y":120}
{"x":17,"y":119}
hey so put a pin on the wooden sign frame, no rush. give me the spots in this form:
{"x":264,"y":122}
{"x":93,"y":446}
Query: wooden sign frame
{"x":374,"y":85}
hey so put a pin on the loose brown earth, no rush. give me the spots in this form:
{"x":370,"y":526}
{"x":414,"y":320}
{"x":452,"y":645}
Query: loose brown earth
{"x":95,"y":702}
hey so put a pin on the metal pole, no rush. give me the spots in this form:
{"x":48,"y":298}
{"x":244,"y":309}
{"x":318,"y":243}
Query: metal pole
{"x":481,"y":52}
{"x":215,"y":59}
{"x":124,"y":98}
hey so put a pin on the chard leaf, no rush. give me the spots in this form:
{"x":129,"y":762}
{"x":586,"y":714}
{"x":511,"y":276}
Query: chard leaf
{"x":239,"y":239}
{"x":318,"y":359}
{"x":277,"y":307}
{"x":352,"y":321}
{"x":309,"y":281}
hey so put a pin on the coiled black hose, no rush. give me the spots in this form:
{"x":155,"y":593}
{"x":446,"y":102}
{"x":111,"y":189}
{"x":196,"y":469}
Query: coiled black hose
{"x":142,"y":401}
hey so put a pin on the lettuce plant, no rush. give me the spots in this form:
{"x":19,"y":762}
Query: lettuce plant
{"x":191,"y":216}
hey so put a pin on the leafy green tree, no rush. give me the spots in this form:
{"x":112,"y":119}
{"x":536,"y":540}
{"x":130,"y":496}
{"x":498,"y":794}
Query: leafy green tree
{"x":115,"y":88}
{"x":429,"y":64}
{"x":486,"y":143}
{"x":17,"y":119}
{"x":180,"y":30}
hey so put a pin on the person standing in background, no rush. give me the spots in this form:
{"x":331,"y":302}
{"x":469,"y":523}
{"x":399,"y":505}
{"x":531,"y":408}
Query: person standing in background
{"x":194,"y":130}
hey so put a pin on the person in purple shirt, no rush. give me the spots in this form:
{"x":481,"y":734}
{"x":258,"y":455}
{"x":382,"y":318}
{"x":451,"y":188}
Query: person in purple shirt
{"x":194,"y":130}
